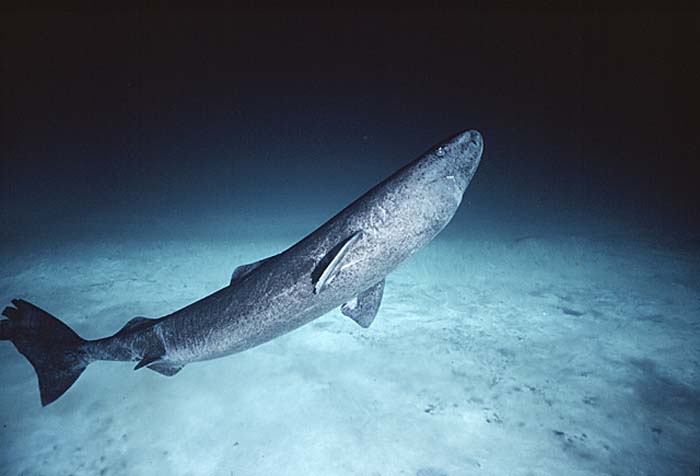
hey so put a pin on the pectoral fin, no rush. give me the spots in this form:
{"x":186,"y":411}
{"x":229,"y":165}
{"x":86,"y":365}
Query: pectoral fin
{"x":364,"y":307}
{"x":135,"y":324}
{"x":331,"y":264}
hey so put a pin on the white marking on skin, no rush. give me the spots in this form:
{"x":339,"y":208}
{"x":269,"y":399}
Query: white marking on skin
{"x":352,"y":304}
{"x":161,"y":336}
{"x":350,"y":263}
{"x":377,"y":219}
{"x":329,"y":273}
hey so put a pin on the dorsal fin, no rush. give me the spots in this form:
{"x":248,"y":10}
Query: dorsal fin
{"x":136,"y":323}
{"x":245,"y":269}
{"x":330,"y":265}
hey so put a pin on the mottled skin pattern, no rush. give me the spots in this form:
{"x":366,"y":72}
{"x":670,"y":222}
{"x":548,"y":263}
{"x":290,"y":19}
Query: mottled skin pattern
{"x":344,"y":261}
{"x":396,"y":218}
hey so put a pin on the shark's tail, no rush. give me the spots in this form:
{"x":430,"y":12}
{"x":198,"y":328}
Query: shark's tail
{"x":52,"y":348}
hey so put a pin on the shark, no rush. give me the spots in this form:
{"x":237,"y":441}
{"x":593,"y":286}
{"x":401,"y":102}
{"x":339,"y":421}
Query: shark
{"x":342,"y":263}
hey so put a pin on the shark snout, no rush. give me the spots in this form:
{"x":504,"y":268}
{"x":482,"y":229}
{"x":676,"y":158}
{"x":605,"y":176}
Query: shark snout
{"x":468,"y":147}
{"x":459,"y":157}
{"x":470,"y":143}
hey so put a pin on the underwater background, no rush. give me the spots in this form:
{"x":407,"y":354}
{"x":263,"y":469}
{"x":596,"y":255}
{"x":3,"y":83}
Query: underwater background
{"x":552,"y":328}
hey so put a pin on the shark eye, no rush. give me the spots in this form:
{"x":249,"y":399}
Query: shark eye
{"x":440,"y":152}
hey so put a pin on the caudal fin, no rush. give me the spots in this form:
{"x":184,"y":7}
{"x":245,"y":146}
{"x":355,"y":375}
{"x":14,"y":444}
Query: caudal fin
{"x":51,"y":347}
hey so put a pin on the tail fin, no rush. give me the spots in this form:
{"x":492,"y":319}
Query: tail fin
{"x":51,"y":347}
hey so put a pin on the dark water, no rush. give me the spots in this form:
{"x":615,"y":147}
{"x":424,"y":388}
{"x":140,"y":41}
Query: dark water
{"x":552,"y":328}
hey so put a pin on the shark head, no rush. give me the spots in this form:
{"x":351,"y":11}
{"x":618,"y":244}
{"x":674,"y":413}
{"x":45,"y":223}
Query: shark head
{"x":459,"y":157}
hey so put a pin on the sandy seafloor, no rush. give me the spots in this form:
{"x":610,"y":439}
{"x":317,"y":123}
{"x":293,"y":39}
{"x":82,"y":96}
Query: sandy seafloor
{"x":494,"y":353}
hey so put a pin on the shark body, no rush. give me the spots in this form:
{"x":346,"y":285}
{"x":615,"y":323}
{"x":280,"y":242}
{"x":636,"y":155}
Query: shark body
{"x":342,"y":263}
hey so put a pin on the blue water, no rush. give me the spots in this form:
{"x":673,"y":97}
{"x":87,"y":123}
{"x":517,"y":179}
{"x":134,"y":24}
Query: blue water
{"x":553,"y":328}
{"x":506,"y":350}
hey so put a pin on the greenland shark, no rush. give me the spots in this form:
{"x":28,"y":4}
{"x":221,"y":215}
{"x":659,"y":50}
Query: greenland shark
{"x":342,"y":263}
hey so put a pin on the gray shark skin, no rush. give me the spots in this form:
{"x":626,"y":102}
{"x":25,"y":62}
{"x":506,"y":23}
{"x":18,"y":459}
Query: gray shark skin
{"x":342,"y":263}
